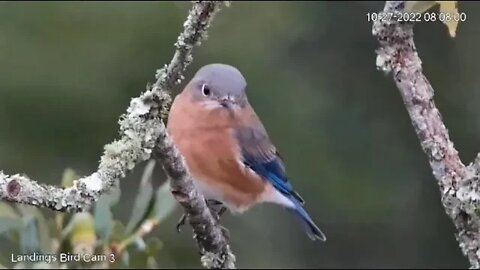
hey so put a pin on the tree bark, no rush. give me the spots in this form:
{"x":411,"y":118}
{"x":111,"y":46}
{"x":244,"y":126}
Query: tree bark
{"x":459,"y":184}
{"x":142,"y":132}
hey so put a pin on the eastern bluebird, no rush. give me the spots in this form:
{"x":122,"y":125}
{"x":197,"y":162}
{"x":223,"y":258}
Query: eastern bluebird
{"x":226,"y":147}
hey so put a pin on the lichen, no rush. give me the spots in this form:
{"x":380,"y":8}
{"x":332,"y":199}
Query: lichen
{"x":224,"y":260}
{"x":459,"y":185}
{"x":93,"y":182}
{"x":140,"y":129}
{"x":138,"y":107}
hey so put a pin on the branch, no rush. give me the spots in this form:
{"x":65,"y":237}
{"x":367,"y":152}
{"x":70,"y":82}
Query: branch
{"x":459,"y":185}
{"x":141,"y":130}
{"x":209,"y":235}
{"x":20,"y":189}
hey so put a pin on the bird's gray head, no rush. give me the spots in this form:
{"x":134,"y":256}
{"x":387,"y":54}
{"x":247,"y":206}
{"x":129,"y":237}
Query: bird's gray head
{"x":219,"y":86}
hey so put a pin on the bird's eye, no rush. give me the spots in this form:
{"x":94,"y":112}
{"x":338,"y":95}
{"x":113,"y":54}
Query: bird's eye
{"x":205,"y":90}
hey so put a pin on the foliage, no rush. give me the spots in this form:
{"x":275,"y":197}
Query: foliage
{"x":85,"y":240}
{"x":445,"y":7}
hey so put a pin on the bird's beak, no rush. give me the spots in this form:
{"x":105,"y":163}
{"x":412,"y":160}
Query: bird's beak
{"x":228,"y":102}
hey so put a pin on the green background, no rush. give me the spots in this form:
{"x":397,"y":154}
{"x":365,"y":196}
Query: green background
{"x":69,"y":69}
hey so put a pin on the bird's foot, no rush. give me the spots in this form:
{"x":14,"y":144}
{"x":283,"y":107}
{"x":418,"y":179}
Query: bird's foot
{"x":217,"y":213}
{"x":181,"y":222}
{"x":226,"y":233}
{"x":212,"y":204}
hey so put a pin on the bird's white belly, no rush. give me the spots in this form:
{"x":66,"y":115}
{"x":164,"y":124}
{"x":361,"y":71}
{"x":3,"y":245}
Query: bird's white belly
{"x":210,"y":192}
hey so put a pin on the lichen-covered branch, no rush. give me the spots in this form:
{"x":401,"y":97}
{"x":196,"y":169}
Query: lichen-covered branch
{"x":459,"y":185}
{"x":209,"y":235}
{"x":141,"y":131}
{"x":20,"y":189}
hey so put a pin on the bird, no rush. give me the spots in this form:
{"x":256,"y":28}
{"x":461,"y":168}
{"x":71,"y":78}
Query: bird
{"x":227,"y":149}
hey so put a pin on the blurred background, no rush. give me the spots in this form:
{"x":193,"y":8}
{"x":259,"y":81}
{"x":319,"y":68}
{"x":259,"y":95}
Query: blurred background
{"x":69,"y":69}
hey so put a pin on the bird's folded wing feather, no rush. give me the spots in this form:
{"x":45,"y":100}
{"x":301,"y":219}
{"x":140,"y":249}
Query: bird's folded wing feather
{"x":260,"y":155}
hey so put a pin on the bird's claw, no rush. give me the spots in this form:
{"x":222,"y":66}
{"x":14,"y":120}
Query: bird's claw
{"x":226,"y":233}
{"x":222,"y":210}
{"x":181,"y":222}
{"x":212,"y":204}
{"x":216,"y":215}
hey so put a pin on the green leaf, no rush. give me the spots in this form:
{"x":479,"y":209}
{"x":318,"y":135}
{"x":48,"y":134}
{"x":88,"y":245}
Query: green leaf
{"x":152,"y":263}
{"x":20,"y":265}
{"x":165,"y":203}
{"x":138,"y":259}
{"x":103,"y":218}
{"x":9,"y":219}
{"x":14,"y":235}
{"x":154,"y":245}
{"x":143,"y":199}
{"x":118,"y":233}
{"x":43,"y":265}
{"x":69,"y":175}
{"x":114,"y":194}
{"x":7,"y":224}
{"x":450,"y":7}
{"x":45,"y":239}
{"x":8,"y":211}
{"x":82,"y":234}
{"x":145,"y":258}
{"x":43,"y":226}
{"x":140,"y":244}
{"x":4,"y":261}
{"x":418,"y":6}
{"x":29,"y":242}
{"x":126,"y":258}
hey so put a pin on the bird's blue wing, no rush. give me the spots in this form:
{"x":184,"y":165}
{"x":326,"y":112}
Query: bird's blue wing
{"x":260,"y":155}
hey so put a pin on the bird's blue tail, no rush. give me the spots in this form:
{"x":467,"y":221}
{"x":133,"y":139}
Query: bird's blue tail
{"x":309,"y":226}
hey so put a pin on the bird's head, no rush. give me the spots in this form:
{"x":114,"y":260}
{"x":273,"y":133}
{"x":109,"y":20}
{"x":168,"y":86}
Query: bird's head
{"x":219,"y":86}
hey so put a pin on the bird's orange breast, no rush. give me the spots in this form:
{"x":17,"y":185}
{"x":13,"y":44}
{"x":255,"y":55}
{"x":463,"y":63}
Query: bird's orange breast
{"x":205,"y":139}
